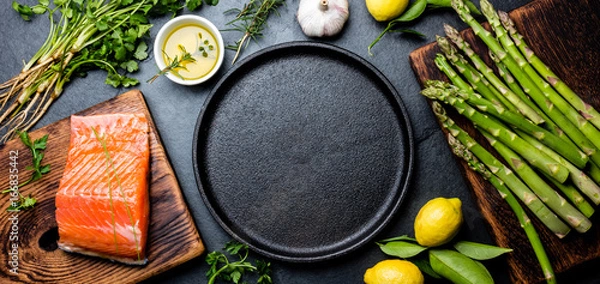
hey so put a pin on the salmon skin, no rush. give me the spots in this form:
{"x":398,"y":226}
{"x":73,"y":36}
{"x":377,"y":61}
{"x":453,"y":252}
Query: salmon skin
{"x":102,"y":204}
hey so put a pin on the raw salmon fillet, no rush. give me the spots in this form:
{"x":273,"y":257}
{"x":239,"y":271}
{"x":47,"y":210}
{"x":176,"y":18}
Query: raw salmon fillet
{"x":92,"y":214}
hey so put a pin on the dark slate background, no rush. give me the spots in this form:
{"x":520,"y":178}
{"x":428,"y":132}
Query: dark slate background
{"x":175,"y":109}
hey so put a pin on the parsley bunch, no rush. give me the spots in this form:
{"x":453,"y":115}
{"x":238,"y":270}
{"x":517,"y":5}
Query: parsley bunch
{"x":90,"y":34}
{"x":233,"y":271}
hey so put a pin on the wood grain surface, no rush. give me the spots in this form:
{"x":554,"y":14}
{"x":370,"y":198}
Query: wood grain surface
{"x":173,"y":237}
{"x":565,"y":35}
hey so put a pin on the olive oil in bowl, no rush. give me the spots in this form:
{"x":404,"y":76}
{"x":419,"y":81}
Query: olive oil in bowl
{"x":194,"y":44}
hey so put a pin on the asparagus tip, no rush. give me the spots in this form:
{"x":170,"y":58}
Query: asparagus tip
{"x":487,"y":9}
{"x":451,"y":32}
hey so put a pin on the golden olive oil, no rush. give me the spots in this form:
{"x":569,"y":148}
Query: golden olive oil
{"x":199,"y":42}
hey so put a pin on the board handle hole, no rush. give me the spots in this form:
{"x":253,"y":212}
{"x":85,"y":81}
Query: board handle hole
{"x":49,"y":239}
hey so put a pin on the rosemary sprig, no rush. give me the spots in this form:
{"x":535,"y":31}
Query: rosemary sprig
{"x":176,"y":64}
{"x":251,"y":20}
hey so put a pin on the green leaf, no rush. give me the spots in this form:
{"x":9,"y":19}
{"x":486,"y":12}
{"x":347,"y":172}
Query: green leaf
{"x":234,"y":247}
{"x":480,"y":251}
{"x":192,"y":4}
{"x":130,"y":66}
{"x":25,"y":138}
{"x":425,"y":267}
{"x":40,"y":144}
{"x":113,"y":80}
{"x":60,"y":2}
{"x":235,"y":276}
{"x":408,"y":31}
{"x":39,"y":9}
{"x":402,"y":249}
{"x":143,"y":30}
{"x":458,"y":268}
{"x":398,"y":238}
{"x":129,"y":82}
{"x":23,"y":10}
{"x":102,"y":24}
{"x":140,"y":52}
{"x":211,"y":2}
{"x":414,"y":11}
{"x":44,"y":2}
{"x":120,"y":52}
{"x":45,"y":169}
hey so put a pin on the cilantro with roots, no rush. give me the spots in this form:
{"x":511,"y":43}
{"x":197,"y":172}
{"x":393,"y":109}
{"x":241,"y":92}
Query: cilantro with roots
{"x":232,"y":271}
{"x":89,"y":34}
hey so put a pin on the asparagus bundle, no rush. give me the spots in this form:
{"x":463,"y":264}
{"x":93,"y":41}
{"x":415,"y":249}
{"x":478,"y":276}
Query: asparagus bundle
{"x":464,"y":146}
{"x":538,"y":125}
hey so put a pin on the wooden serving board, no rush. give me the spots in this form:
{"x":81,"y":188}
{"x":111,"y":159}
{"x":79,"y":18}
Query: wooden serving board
{"x":173,"y":238}
{"x":565,"y":35}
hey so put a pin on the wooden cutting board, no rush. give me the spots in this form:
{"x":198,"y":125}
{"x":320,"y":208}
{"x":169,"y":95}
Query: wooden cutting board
{"x":173,"y":238}
{"x":565,"y":35}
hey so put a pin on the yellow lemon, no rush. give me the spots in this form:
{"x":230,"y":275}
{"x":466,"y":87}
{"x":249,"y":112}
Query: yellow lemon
{"x":438,"y":221}
{"x":394,"y":271}
{"x":385,"y":10}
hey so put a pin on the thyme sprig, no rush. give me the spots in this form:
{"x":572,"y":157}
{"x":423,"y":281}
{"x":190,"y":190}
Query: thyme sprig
{"x":251,"y":20}
{"x":177,"y":63}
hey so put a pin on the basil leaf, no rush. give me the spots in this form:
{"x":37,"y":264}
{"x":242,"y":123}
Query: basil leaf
{"x":414,"y":11}
{"x":399,"y":238}
{"x":425,"y":267}
{"x":480,"y":251}
{"x":401,"y":249}
{"x":458,"y":268}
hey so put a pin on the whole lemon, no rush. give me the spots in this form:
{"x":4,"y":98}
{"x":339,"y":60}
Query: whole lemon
{"x":385,"y":10}
{"x":438,"y":221}
{"x":394,"y":271}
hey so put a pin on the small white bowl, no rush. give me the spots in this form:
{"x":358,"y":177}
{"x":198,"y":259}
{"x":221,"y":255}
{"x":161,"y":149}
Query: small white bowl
{"x":173,"y":24}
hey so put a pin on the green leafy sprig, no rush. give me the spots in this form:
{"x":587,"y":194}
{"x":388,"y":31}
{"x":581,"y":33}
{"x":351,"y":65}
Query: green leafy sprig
{"x":233,"y":271}
{"x":176,"y":64}
{"x":251,"y":21}
{"x":36,"y":148}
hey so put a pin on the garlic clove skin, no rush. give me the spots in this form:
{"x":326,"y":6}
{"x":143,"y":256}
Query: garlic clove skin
{"x":321,"y":18}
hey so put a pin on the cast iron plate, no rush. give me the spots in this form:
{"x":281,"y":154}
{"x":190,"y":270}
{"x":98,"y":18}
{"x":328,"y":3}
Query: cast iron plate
{"x":303,"y":151}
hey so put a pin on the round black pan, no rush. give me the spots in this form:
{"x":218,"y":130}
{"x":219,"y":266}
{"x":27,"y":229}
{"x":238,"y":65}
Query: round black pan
{"x":303,"y":151}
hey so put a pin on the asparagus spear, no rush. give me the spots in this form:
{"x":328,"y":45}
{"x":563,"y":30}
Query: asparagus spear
{"x":548,"y":195}
{"x":528,"y":85}
{"x":568,"y":151}
{"x":579,"y":178}
{"x":586,"y":110}
{"x":534,"y":239}
{"x":476,"y":80}
{"x":534,"y":156}
{"x":574,"y":196}
{"x":475,"y":77}
{"x":594,"y":156}
{"x":546,"y":90}
{"x":545,"y":215}
{"x":488,"y":73}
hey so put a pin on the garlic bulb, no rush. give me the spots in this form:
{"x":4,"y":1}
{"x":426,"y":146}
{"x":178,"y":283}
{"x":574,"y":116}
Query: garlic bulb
{"x":320,"y":18}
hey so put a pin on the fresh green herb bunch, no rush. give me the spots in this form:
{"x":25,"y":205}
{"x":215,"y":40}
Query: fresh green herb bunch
{"x":233,"y":271}
{"x":90,"y":34}
{"x":251,"y":21}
